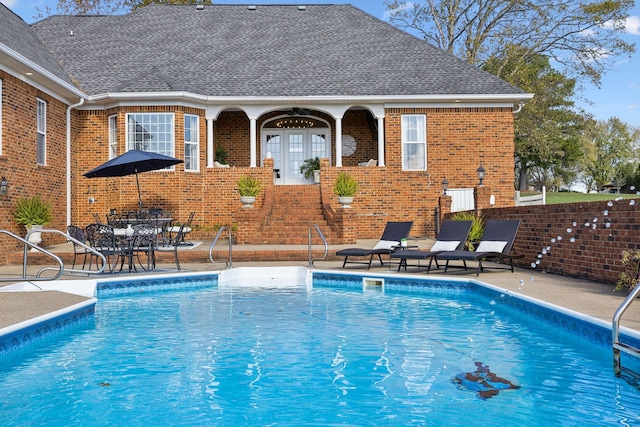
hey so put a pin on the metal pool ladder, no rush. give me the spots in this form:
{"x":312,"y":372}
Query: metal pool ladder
{"x":619,"y":346}
{"x":326,"y":246}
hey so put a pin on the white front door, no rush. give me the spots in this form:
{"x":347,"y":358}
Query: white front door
{"x":289,"y":149}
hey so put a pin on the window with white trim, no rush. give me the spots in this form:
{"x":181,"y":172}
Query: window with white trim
{"x":113,"y":136}
{"x":41,"y":132}
{"x":151,"y":132}
{"x":414,"y":142}
{"x":191,"y":143}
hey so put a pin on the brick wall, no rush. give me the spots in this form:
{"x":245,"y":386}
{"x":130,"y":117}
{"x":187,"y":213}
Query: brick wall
{"x":18,"y":160}
{"x":391,"y":194}
{"x":584,"y":240}
{"x":387,"y":193}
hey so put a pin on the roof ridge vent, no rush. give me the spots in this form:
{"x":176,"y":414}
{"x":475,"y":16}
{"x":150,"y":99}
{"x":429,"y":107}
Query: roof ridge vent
{"x":302,"y":7}
{"x":251,"y":7}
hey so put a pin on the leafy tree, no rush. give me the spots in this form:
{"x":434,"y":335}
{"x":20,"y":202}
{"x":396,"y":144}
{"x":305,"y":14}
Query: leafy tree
{"x":629,"y":175}
{"x":518,"y":40}
{"x":610,"y":145}
{"x":547,"y":130}
{"x":581,"y":36}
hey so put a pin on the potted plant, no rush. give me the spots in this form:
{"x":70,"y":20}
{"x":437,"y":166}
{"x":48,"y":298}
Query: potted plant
{"x":248,"y":188}
{"x":221,"y":155}
{"x":345,"y":186}
{"x":311,"y":167}
{"x":33,"y":213}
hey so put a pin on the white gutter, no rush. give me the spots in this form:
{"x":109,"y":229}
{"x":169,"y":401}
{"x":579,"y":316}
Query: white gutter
{"x":237,"y":100}
{"x":519,"y":108}
{"x":69,"y":108}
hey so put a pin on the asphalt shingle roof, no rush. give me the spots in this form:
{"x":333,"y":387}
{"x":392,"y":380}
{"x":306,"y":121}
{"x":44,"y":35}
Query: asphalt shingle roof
{"x":20,"y":38}
{"x":274,"y":50}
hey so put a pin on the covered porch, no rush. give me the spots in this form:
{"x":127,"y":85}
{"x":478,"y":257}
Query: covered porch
{"x":346,"y":135}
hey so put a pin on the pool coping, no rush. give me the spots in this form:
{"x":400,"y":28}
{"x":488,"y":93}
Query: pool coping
{"x":23,"y":333}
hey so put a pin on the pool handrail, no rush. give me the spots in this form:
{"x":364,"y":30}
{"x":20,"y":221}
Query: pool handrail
{"x":229,"y":264}
{"x":619,"y":346}
{"x":326,"y":246}
{"x":60,"y":268}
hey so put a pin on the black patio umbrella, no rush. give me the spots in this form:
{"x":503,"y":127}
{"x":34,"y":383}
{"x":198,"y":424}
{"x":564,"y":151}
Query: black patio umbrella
{"x":133,"y":162}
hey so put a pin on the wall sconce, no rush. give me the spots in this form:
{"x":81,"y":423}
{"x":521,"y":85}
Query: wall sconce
{"x":445,"y":185}
{"x":4,"y":186}
{"x":481,"y":172}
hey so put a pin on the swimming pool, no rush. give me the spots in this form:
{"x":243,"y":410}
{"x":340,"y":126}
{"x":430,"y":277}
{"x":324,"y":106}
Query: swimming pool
{"x":209,"y":353}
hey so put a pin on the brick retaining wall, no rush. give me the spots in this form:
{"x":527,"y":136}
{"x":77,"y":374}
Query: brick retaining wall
{"x":601,"y":232}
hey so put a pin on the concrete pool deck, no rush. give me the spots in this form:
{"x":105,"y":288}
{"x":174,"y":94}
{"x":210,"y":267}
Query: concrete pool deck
{"x":598,"y":300}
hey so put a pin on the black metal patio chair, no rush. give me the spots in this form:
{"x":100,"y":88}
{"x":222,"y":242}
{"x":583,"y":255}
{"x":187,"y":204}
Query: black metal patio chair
{"x":78,"y":250}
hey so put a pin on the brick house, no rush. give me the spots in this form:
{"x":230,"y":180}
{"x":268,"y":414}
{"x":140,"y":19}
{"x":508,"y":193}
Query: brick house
{"x":268,"y":85}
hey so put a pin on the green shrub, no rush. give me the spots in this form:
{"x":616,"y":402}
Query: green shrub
{"x":249,"y":186}
{"x":477,"y":228}
{"x":628,"y":279}
{"x":32,"y":211}
{"x":345,"y":185}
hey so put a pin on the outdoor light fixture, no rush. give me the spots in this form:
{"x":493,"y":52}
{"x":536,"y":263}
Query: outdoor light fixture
{"x":480,"y":171}
{"x":445,"y":185}
{"x":4,"y":186}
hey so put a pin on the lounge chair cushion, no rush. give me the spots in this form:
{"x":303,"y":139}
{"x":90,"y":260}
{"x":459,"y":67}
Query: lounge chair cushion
{"x":491,"y":246}
{"x":385,"y":244}
{"x":440,"y":246}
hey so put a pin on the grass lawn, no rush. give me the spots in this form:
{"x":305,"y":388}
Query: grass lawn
{"x":568,"y":197}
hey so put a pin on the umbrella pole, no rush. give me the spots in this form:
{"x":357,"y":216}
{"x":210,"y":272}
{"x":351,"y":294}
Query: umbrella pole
{"x":139,"y":197}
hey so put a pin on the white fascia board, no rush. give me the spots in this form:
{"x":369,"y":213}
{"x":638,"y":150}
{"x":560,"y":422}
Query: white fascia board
{"x":166,"y":98}
{"x":49,"y":83}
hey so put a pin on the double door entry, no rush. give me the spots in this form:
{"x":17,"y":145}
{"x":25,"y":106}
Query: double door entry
{"x":289,"y":149}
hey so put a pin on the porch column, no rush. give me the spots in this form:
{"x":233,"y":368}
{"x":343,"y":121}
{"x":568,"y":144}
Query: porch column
{"x":339,"y":142}
{"x":252,"y":139}
{"x":380,"y":141}
{"x":211,"y":153}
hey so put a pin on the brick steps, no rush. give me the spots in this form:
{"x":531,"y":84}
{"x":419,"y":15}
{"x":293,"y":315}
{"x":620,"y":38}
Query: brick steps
{"x":295,"y":209}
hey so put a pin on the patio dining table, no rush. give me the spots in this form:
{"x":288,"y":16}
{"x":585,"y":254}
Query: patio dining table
{"x":126,"y":239}
{"x":162,"y":223}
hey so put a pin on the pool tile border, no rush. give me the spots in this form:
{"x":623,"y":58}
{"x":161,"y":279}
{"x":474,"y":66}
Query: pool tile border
{"x":18,"y":336}
{"x":578,"y":324}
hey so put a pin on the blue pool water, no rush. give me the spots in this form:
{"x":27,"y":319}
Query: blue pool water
{"x":331,"y":356}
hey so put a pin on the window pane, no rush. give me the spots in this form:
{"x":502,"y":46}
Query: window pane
{"x":40,"y":149}
{"x":414,"y":157}
{"x":414,"y":142}
{"x":113,"y":137}
{"x":151,"y":132}
{"x":318,"y":146}
{"x":274,"y":147}
{"x":296,"y":155}
{"x":41,"y":129}
{"x":191,"y":142}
